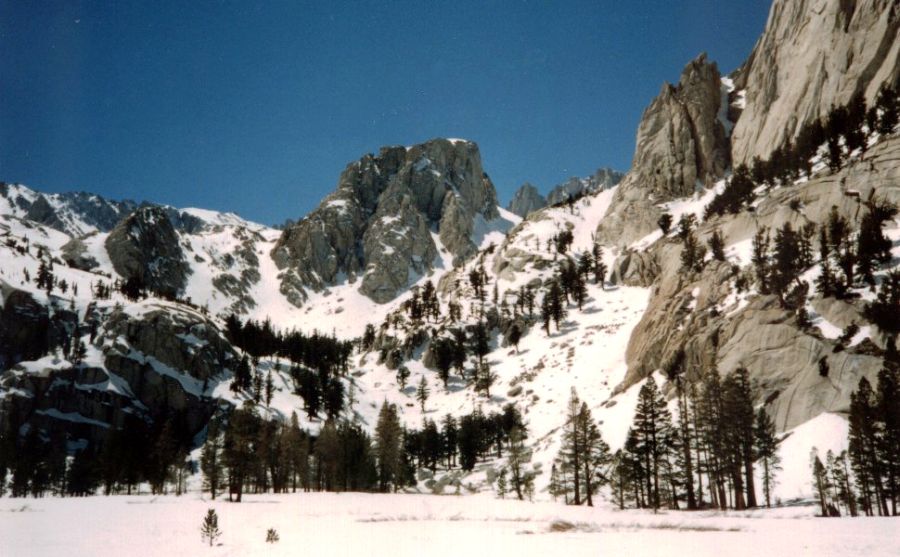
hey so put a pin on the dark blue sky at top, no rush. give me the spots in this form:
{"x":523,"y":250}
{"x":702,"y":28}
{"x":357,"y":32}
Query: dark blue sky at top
{"x":256,"y":107}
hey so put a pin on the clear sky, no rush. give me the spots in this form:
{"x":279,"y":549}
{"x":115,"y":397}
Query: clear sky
{"x":256,"y":107}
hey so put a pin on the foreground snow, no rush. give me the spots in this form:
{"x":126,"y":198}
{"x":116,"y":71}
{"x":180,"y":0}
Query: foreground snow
{"x":365,"y":524}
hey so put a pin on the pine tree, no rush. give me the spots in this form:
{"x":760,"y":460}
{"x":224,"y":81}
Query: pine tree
{"x":888,"y":404}
{"x":766,"y":452}
{"x":573,"y":448}
{"x":269,"y":389}
{"x":449,"y":436}
{"x":388,"y":442}
{"x":888,"y":103}
{"x":501,"y":483}
{"x":864,"y":451}
{"x":838,"y":471}
{"x":402,"y":376}
{"x":442,"y":349}
{"x":739,"y":422}
{"x":516,"y":460}
{"x":665,"y":223}
{"x":873,"y":248}
{"x":597,"y":455}
{"x":515,"y":335}
{"x":884,"y":311}
{"x":422,"y":393}
{"x":787,"y":262}
{"x":240,"y":452}
{"x":820,"y":483}
{"x":761,"y":259}
{"x":211,"y":460}
{"x":653,"y":430}
{"x":210,"y":529}
{"x":717,"y":245}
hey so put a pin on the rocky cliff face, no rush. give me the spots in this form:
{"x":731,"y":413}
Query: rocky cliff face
{"x":526,"y":200}
{"x":153,"y":362}
{"x":380,"y":224}
{"x":813,"y":54}
{"x":700,"y":313}
{"x":681,"y":142}
{"x":145,"y":246}
{"x":682,"y":146}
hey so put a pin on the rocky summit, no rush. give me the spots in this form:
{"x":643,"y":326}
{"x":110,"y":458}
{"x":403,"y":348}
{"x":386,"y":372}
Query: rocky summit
{"x":392,"y":217}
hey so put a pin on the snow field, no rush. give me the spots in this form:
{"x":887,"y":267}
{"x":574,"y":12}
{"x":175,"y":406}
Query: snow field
{"x":414,"y":525}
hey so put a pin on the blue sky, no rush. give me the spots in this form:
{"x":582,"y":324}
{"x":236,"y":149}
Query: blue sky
{"x":256,"y":107}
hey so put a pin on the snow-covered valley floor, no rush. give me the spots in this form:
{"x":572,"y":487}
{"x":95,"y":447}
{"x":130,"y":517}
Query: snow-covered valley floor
{"x":415,"y":525}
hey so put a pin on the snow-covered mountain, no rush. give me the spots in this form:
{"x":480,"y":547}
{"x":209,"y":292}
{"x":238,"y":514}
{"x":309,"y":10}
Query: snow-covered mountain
{"x":414,"y":217}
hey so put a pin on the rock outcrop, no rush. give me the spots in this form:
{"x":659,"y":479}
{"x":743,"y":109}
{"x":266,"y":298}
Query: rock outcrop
{"x":379,"y":224}
{"x":27,"y":330}
{"x":526,"y":200}
{"x":145,"y":246}
{"x":602,"y":179}
{"x":158,"y":362}
{"x":813,"y":54}
{"x":681,"y":142}
{"x":699,"y":313}
{"x":682,"y":146}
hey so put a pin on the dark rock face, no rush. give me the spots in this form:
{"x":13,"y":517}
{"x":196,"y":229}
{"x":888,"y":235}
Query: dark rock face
{"x":27,"y":330}
{"x":377,"y":225}
{"x":526,"y":200}
{"x":157,"y":362}
{"x":145,"y":246}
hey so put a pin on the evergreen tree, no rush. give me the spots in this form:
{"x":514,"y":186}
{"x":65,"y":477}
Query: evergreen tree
{"x":240,"y":449}
{"x":449,"y":436}
{"x":388,"y":443}
{"x":864,"y":442}
{"x":665,"y":223}
{"x":889,"y":106}
{"x":573,"y":447}
{"x":597,"y":455}
{"x":402,"y":376}
{"x":766,"y":452}
{"x":501,"y":483}
{"x":210,"y":528}
{"x":211,"y":460}
{"x":518,"y":457}
{"x":422,"y":393}
{"x":442,"y":349}
{"x":653,"y":431}
{"x":884,"y":311}
{"x":717,"y":245}
{"x":873,"y":248}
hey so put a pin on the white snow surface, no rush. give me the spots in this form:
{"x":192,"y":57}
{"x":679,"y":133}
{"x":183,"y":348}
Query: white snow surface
{"x":413,"y":525}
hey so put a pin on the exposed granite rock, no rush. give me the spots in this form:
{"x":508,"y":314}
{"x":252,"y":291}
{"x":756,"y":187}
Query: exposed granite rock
{"x":526,"y":200}
{"x":813,"y":54}
{"x":680,"y":140}
{"x":145,"y":246}
{"x":694,"y":313}
{"x":603,"y":178}
{"x":681,"y":145}
{"x":634,"y":268}
{"x":74,"y":253}
{"x":378,"y":221}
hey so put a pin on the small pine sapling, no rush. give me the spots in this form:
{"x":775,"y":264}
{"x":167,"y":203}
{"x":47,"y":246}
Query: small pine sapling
{"x":210,"y":529}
